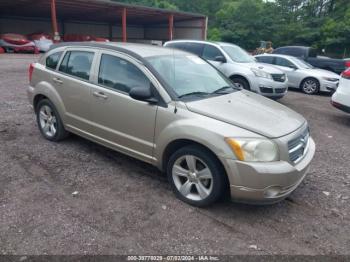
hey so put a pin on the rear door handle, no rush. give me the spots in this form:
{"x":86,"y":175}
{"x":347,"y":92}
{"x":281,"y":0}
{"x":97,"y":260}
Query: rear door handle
{"x":57,"y":80}
{"x":100,"y":95}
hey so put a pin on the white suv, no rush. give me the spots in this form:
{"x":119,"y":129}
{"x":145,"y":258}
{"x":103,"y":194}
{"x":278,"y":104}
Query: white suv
{"x":341,"y":98}
{"x":239,"y":66}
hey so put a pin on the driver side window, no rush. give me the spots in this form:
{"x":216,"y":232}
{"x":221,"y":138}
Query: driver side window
{"x":283,"y":62}
{"x":121,"y":75}
{"x":211,"y":52}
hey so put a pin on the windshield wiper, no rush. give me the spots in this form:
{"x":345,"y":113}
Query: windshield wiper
{"x":222,"y":90}
{"x":195,"y":94}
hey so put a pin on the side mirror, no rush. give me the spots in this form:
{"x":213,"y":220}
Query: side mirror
{"x":220,"y":59}
{"x":293,"y":67}
{"x":143,"y":94}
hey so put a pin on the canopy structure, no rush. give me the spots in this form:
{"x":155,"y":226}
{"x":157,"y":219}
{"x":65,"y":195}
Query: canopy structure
{"x":105,"y":18}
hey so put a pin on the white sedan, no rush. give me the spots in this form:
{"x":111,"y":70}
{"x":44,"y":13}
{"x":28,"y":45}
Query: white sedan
{"x":341,"y":98}
{"x":302,"y":75}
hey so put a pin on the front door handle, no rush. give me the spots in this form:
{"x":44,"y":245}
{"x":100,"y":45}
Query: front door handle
{"x":57,"y":80}
{"x":100,"y":95}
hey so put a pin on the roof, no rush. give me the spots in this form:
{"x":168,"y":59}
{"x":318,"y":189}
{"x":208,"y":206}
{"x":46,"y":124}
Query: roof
{"x":200,"y":42}
{"x":278,"y":55}
{"x":294,"y":46}
{"x":139,"y":51}
{"x":92,"y":10}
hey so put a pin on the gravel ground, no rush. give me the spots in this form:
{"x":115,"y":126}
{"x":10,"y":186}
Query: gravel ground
{"x":124,"y":206}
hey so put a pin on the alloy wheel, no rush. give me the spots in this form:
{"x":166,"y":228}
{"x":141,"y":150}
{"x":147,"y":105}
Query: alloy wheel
{"x":192,"y":177}
{"x":48,"y":121}
{"x":310,"y":86}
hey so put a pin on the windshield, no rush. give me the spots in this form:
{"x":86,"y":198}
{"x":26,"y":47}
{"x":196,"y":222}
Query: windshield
{"x":237,"y":54}
{"x":301,"y":63}
{"x":189,"y":75}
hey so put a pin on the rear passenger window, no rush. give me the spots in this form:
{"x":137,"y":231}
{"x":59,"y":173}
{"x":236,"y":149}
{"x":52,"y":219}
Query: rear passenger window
{"x":52,"y":60}
{"x":77,"y":63}
{"x":265,"y":59}
{"x":211,"y":52}
{"x":195,"y":48}
{"x":121,"y":75}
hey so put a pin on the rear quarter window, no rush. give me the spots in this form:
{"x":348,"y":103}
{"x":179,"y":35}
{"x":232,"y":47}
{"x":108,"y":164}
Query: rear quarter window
{"x":52,"y":60}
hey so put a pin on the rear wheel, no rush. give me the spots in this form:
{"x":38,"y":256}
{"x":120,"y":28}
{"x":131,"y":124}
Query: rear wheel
{"x":310,"y":86}
{"x":49,"y":121}
{"x":240,"y":82}
{"x":196,"y":176}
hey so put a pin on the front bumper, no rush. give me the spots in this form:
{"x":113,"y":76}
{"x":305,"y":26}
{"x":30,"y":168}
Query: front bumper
{"x":328,"y":86}
{"x":266,"y":183}
{"x":269,"y":88}
{"x":341,"y":99}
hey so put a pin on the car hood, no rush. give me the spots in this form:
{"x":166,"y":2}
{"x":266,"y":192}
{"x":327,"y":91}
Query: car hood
{"x":250,"y":111}
{"x":322,"y":73}
{"x":267,"y":68}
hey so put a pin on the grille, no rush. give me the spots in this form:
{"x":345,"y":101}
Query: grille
{"x":266,"y":90}
{"x":280,"y":90}
{"x":279,"y":77}
{"x":298,"y":146}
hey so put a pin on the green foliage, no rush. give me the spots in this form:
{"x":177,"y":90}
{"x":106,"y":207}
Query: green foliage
{"x":324,"y":24}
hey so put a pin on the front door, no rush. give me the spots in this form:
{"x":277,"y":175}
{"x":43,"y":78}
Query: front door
{"x":122,"y":122}
{"x":290,"y":69}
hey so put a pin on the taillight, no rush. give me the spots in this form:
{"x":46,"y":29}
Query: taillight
{"x":347,"y":63}
{"x":30,"y":71}
{"x":346,"y":74}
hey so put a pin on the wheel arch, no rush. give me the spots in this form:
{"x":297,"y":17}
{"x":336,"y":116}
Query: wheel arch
{"x":242,"y":77}
{"x":309,"y":77}
{"x":175,"y":145}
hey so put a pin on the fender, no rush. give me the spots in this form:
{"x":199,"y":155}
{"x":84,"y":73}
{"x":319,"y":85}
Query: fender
{"x":46,"y":89}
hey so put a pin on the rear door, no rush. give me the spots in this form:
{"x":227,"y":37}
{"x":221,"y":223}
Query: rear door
{"x":73,"y":83}
{"x":120,"y":121}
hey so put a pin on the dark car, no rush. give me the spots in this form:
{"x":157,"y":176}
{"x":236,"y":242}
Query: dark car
{"x":309,"y":54}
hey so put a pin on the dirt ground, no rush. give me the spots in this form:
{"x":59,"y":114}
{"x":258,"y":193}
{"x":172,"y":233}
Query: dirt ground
{"x":124,"y":206}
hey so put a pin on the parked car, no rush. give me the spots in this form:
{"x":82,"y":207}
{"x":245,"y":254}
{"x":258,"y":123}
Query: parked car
{"x":17,"y":43}
{"x":238,"y":65}
{"x":341,"y":98}
{"x":309,"y":55}
{"x":174,"y":110}
{"x":42,"y":41}
{"x":302,"y":75}
{"x":83,"y":38}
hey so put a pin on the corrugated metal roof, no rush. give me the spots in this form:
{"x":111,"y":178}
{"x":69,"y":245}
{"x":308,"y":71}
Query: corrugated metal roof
{"x":91,"y":10}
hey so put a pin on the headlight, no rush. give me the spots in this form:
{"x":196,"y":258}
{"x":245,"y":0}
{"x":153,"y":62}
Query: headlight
{"x":254,"y":150}
{"x":261,"y":73}
{"x":331,"y":79}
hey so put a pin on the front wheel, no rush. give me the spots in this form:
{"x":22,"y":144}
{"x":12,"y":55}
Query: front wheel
{"x":196,"y":176}
{"x":310,"y":86}
{"x":240,"y":82}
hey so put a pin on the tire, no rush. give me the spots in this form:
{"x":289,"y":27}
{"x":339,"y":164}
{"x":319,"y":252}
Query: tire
{"x":310,"y":86}
{"x":207,"y":182}
{"x":241,"y":82}
{"x":49,"y":121}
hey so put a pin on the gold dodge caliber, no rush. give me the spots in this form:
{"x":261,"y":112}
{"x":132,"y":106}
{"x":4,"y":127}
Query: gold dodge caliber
{"x":173,"y":110}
